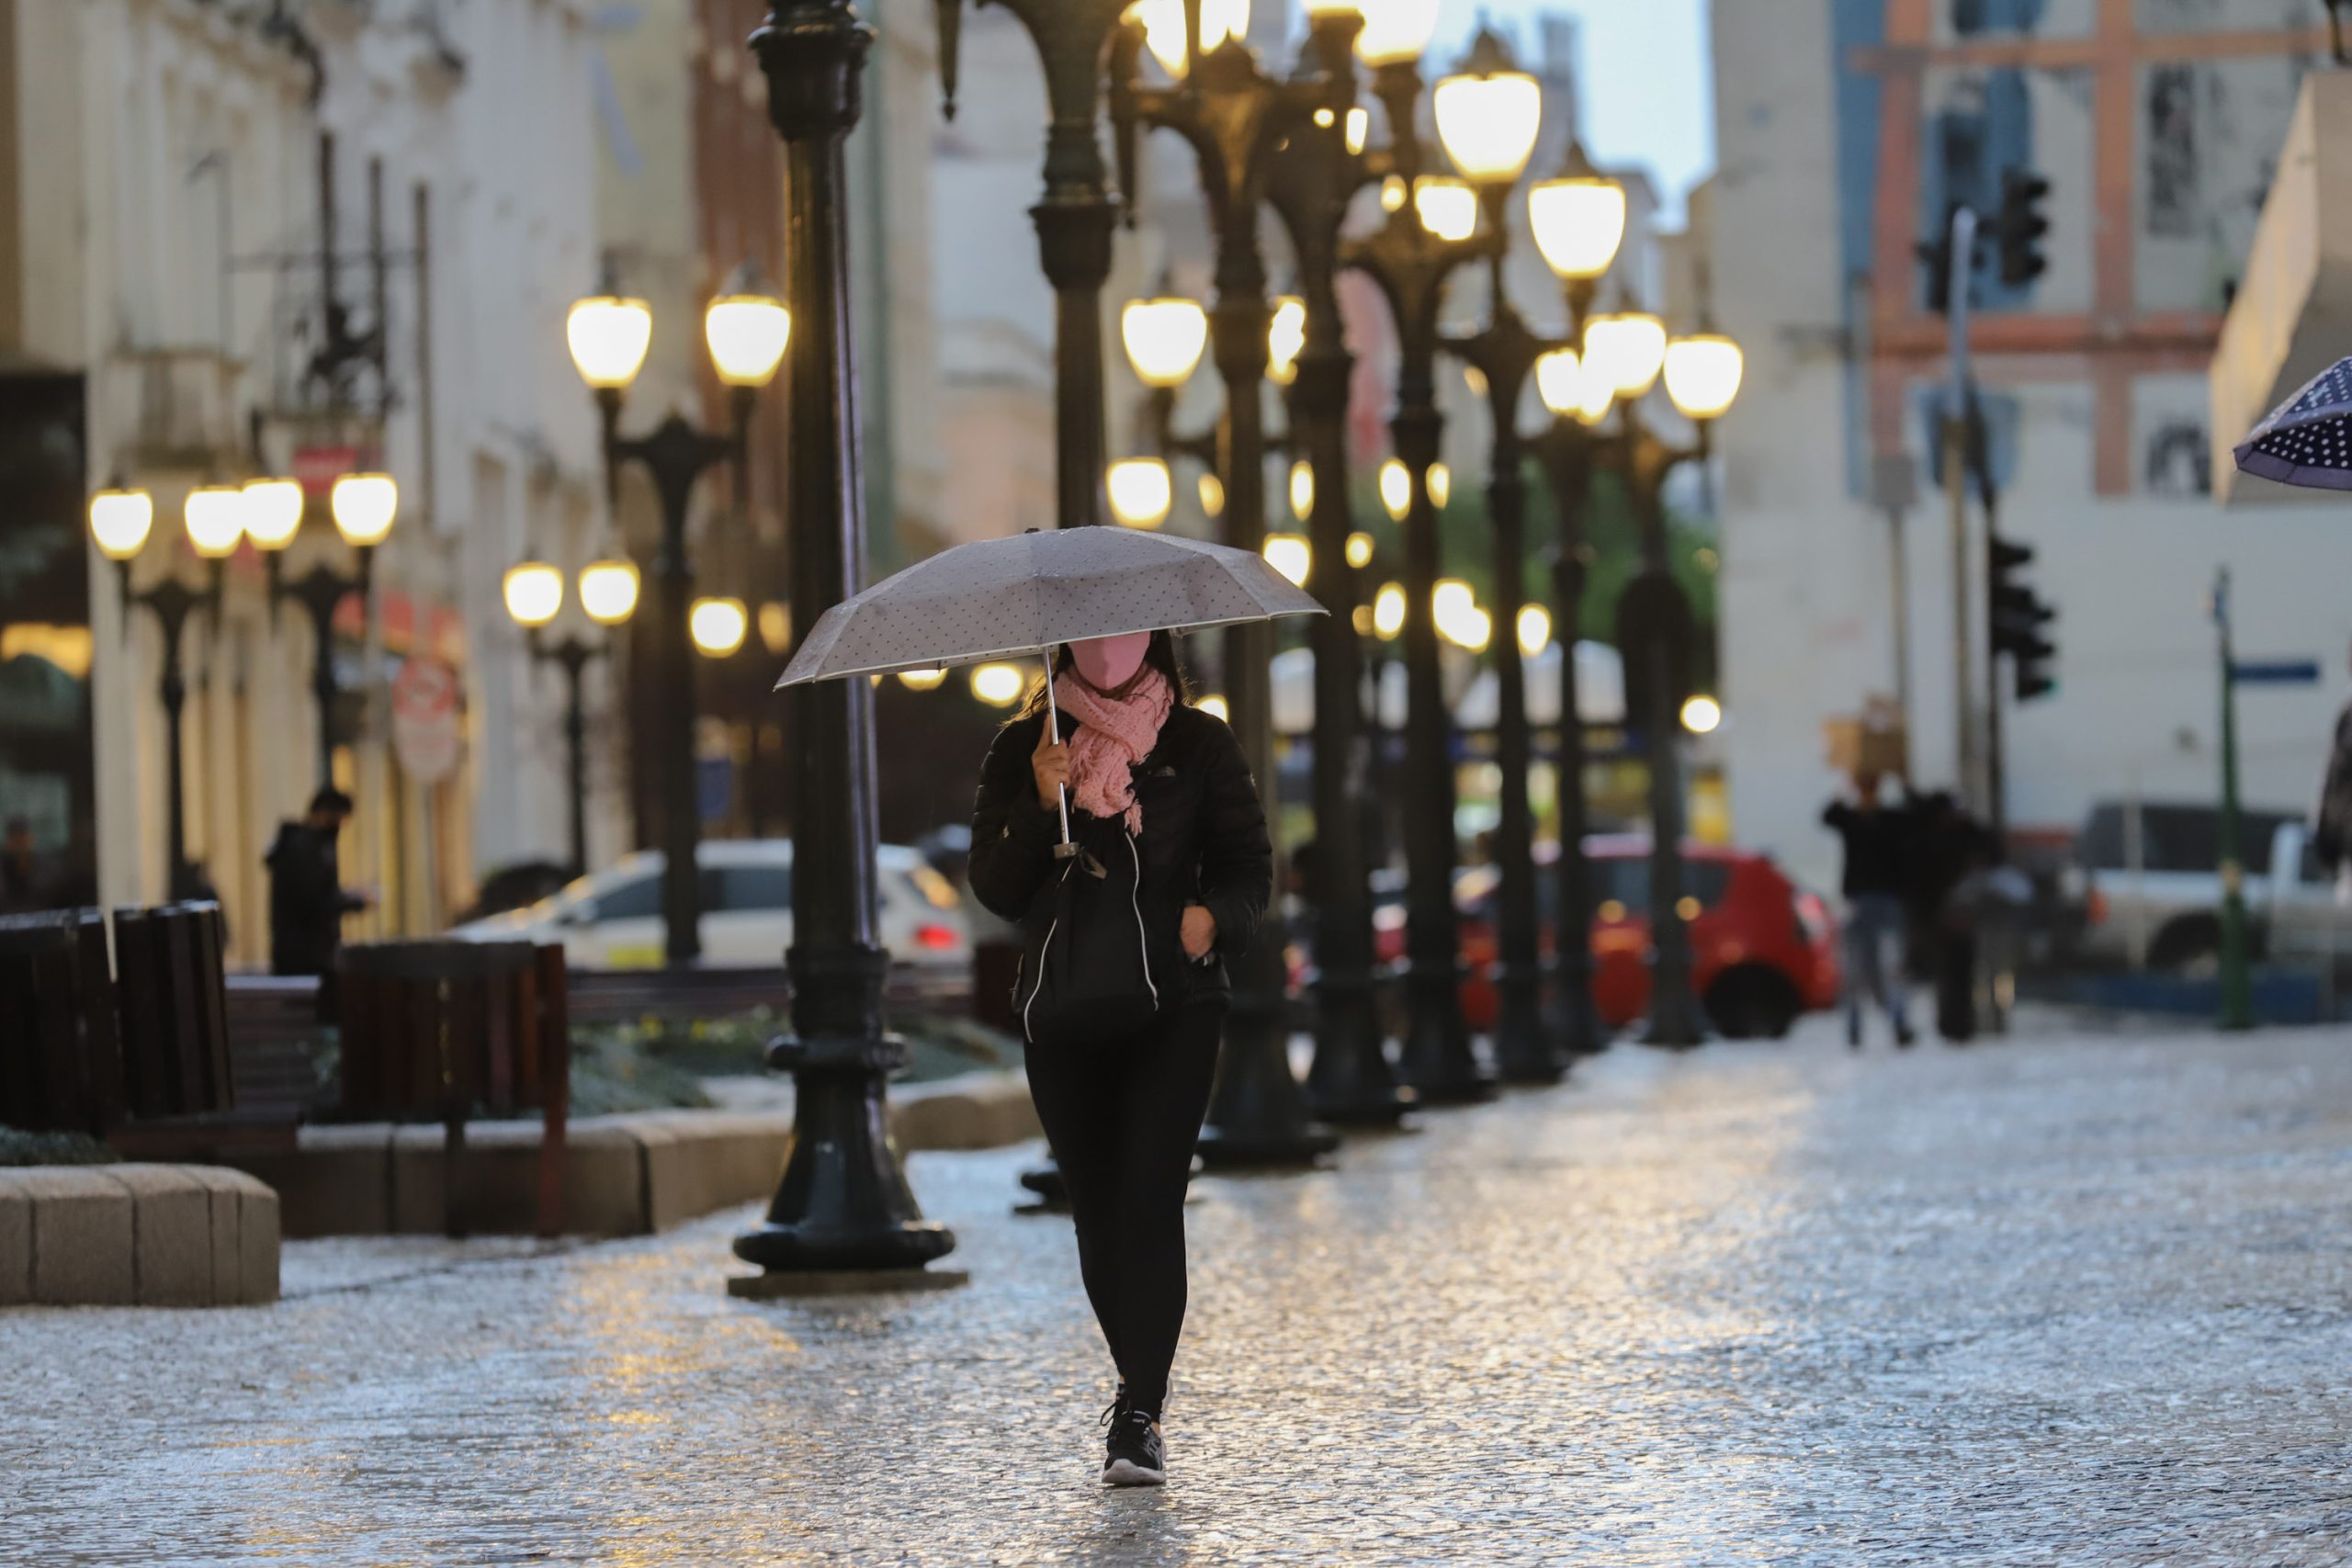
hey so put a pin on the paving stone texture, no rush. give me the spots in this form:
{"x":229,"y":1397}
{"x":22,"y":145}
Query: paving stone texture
{"x":2070,"y":1298}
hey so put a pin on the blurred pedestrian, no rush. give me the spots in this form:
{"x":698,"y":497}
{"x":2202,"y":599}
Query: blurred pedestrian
{"x":1951,"y":853}
{"x":1123,"y":989}
{"x":2332,"y":838}
{"x":307,"y":897}
{"x":1877,"y":875}
{"x":23,"y":884}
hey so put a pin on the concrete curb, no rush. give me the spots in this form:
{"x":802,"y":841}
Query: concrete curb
{"x":629,"y":1175}
{"x":136,"y":1236}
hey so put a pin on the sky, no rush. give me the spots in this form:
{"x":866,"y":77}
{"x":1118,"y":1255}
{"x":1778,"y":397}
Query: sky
{"x":1645,"y":72}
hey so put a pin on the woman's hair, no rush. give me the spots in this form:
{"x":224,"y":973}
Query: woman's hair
{"x":1161,"y":655}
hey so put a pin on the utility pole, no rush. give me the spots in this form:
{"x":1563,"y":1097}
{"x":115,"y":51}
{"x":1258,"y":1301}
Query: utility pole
{"x":2237,"y":985}
{"x":1963,"y":251}
{"x":1895,"y":488}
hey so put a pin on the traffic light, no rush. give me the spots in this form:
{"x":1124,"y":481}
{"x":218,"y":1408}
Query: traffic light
{"x":2020,"y":619}
{"x":2020,"y":229}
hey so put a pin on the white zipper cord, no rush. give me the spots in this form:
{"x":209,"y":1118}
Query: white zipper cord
{"x":1042,"y":948}
{"x":1135,"y":901}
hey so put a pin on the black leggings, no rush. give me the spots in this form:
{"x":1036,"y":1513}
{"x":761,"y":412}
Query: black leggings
{"x":1122,"y":1116}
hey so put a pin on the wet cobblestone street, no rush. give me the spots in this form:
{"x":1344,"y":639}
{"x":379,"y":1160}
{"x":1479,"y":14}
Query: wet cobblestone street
{"x":2058,"y":1300}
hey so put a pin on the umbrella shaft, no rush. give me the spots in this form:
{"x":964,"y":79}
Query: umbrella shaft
{"x":1053,"y":724}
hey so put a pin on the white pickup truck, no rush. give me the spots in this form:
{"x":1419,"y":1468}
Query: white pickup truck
{"x":2149,"y":877}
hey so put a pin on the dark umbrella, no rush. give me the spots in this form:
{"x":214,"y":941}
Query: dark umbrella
{"x":2307,"y":440}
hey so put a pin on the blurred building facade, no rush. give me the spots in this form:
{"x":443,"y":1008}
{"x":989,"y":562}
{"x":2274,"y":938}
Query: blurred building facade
{"x":1845,"y":128}
{"x":691,"y":198}
{"x":176,"y":172}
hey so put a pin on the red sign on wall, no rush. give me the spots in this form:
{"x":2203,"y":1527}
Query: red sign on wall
{"x":317,"y":468}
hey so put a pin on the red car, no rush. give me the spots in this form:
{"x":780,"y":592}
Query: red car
{"x":1763,"y":951}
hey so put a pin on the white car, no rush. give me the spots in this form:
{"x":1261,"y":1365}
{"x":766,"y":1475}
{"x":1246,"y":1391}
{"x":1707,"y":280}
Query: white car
{"x":2149,"y":876}
{"x":613,"y":920}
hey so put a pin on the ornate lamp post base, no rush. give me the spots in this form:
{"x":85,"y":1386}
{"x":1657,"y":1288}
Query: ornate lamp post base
{"x":1437,"y":1063}
{"x":1353,"y":1088}
{"x":844,"y":1205}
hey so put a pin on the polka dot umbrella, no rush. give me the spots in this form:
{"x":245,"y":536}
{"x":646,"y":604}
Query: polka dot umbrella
{"x":1030,"y":594}
{"x":2308,"y":440}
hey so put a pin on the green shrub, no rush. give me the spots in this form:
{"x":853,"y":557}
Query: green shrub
{"x":21,"y":1148}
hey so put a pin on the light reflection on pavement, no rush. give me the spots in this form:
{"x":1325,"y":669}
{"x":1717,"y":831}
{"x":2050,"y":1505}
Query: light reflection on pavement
{"x":2057,"y":1300}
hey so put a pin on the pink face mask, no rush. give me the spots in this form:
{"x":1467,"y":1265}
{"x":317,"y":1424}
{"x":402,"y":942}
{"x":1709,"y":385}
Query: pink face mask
{"x":1107,"y":663}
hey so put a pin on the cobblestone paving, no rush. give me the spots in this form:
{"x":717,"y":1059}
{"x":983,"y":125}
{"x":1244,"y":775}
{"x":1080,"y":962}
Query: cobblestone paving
{"x":2060,"y":1299}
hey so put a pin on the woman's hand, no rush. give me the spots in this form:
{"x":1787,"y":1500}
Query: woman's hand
{"x":1050,"y":763}
{"x":1199,"y":932}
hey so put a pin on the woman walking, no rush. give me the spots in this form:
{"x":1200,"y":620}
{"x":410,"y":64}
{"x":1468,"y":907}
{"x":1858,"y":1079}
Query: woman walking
{"x":1122,"y":986}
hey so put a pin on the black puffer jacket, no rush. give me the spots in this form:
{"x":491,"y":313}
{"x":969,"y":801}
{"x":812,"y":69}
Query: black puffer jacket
{"x":1203,"y":838}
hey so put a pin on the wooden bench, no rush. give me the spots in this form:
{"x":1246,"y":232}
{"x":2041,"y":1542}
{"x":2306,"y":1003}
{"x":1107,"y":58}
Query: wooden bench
{"x":625,"y":996}
{"x":440,"y":1030}
{"x":123,"y":1044}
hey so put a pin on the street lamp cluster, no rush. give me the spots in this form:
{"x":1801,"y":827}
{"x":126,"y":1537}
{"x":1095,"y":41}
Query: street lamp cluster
{"x":1302,"y":146}
{"x":219,"y":518}
{"x":609,"y":335}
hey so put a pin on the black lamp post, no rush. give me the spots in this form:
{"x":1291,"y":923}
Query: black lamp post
{"x":121,"y":520}
{"x":1313,"y":177}
{"x":1564,"y":451}
{"x":1234,"y":116}
{"x":1578,"y":220}
{"x":1504,"y":352}
{"x":1411,"y":266}
{"x":843,"y":1204}
{"x":533,"y":593}
{"x":363,"y":507}
{"x":609,"y":335}
{"x":1074,"y":219}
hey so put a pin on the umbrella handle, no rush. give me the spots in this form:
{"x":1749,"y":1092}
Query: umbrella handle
{"x":1054,"y":719}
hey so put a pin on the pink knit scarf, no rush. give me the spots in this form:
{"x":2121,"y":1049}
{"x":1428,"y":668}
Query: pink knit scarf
{"x":1113,"y":733}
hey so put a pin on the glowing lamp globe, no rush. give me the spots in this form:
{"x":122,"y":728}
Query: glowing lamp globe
{"x":1579,"y":224}
{"x":775,"y":627}
{"x":1627,"y":351}
{"x":1142,"y":493}
{"x":999,"y":685}
{"x":608,"y":336}
{"x":1534,"y":628}
{"x":608,"y":590}
{"x":1289,"y":554}
{"x":746,"y":334}
{"x":1488,"y":114}
{"x":717,"y":626}
{"x":1163,"y":28}
{"x":364,"y":506}
{"x":119,"y":522}
{"x":1284,"y":339}
{"x":216,"y":519}
{"x":1703,"y":374}
{"x":1395,"y":31}
{"x":1164,"y":338}
{"x":273,"y":512}
{"x":534,"y":593}
{"x":1447,"y":208}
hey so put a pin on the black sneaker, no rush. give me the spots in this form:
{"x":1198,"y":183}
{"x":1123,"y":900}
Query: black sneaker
{"x":1137,"y":1457}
